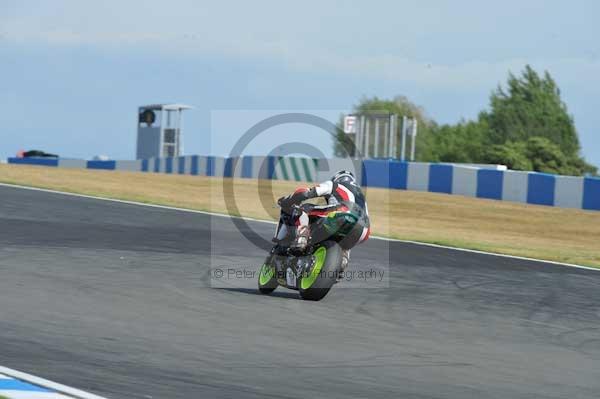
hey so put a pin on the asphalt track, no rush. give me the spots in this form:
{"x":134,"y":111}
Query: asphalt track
{"x":116,"y":299}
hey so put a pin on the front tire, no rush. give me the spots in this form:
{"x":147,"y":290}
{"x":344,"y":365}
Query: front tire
{"x":267,"y":278}
{"x":316,"y":284}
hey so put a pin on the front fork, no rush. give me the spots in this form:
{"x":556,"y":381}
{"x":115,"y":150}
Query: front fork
{"x":289,"y":267}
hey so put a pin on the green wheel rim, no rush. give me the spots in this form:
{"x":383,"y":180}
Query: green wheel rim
{"x":266,"y":274}
{"x":307,"y":281}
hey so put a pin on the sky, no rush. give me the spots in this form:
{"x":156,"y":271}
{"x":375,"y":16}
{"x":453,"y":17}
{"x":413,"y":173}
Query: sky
{"x":74,"y":72}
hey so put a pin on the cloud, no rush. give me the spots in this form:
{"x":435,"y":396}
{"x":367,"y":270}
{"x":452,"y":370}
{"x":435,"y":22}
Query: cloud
{"x":458,"y":46}
{"x":468,"y":75}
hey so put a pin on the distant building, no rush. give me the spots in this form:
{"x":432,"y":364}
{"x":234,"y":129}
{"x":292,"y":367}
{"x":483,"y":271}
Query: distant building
{"x":159,"y":130}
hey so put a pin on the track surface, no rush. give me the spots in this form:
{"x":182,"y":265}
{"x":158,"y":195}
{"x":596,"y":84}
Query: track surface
{"x":114,"y":299}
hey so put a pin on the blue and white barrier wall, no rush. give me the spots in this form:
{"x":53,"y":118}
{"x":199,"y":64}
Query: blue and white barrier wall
{"x":508,"y":185}
{"x":471,"y":181}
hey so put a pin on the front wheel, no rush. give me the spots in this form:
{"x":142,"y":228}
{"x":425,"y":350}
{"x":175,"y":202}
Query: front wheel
{"x":316,"y":282}
{"x":267,"y":279}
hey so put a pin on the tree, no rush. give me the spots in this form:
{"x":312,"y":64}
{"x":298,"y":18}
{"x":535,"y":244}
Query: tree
{"x":545,"y":156}
{"x":512,"y":154}
{"x":531,"y":107}
{"x":538,"y":154}
{"x":458,"y":143}
{"x":530,"y":120}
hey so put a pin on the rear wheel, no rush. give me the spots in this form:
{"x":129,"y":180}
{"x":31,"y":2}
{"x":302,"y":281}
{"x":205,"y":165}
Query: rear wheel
{"x":316,"y":283}
{"x":267,"y":279}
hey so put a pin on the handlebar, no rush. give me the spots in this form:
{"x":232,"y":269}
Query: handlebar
{"x":293,"y":207}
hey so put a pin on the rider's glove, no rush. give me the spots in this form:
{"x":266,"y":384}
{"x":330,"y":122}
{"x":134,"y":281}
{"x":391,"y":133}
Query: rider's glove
{"x":286,"y":202}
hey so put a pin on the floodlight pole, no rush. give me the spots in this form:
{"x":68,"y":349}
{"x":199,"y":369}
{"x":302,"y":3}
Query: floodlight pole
{"x":386,"y":136}
{"x":403,"y":148}
{"x":179,"y":135}
{"x":366,"y":138}
{"x":360,"y":139}
{"x":394,"y":137}
{"x":376,"y":143}
{"x":413,"y":139}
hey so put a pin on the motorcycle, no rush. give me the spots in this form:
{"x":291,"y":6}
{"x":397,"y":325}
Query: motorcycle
{"x":313,"y":270}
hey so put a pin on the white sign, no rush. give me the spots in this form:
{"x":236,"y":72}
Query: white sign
{"x":350,"y":124}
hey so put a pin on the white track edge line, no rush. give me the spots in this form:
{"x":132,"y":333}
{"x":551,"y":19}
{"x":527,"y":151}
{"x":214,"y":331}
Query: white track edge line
{"x":425,"y":244}
{"x":59,"y":388}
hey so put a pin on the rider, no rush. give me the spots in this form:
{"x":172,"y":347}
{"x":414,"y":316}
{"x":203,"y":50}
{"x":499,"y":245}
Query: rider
{"x":346,"y":211}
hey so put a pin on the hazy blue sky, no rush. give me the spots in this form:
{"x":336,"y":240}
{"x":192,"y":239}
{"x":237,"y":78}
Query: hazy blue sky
{"x":74,"y":72}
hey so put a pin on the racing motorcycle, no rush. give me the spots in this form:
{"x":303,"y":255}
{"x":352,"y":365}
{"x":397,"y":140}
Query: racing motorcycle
{"x":312,"y":270}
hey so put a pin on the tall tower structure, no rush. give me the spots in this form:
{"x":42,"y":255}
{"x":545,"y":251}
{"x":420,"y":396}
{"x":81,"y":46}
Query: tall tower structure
{"x":159,"y":132}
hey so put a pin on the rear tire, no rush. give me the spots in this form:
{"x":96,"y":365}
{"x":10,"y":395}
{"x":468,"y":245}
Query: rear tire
{"x":316,"y":284}
{"x":267,"y":278}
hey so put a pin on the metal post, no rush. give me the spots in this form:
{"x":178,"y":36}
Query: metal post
{"x":357,"y":136}
{"x":366,"y":138}
{"x":388,"y":149}
{"x":361,"y":137}
{"x":403,"y":149}
{"x":376,"y":143}
{"x":161,"y":142}
{"x":395,"y":138}
{"x":413,"y":139}
{"x":384,"y":128}
{"x":392,"y":140}
{"x":179,"y":148}
{"x":386,"y":136}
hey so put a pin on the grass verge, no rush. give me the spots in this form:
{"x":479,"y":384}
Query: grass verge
{"x":563,"y":235}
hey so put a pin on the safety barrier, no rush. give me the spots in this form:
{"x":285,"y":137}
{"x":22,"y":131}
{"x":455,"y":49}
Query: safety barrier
{"x":471,"y":181}
{"x":527,"y":187}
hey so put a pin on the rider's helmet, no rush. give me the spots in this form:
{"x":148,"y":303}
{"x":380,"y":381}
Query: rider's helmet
{"x":343,"y":176}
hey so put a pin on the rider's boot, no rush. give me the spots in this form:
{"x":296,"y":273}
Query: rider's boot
{"x":302,"y":236}
{"x":302,"y":232}
{"x":344,"y":265}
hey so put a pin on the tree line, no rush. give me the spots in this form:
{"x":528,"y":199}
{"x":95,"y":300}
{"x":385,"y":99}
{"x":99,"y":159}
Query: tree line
{"x":527,"y":127}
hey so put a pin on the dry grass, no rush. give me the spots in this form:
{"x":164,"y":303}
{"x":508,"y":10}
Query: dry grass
{"x":534,"y":231}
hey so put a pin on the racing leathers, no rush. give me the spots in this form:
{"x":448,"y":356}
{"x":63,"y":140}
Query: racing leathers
{"x":346,"y":215}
